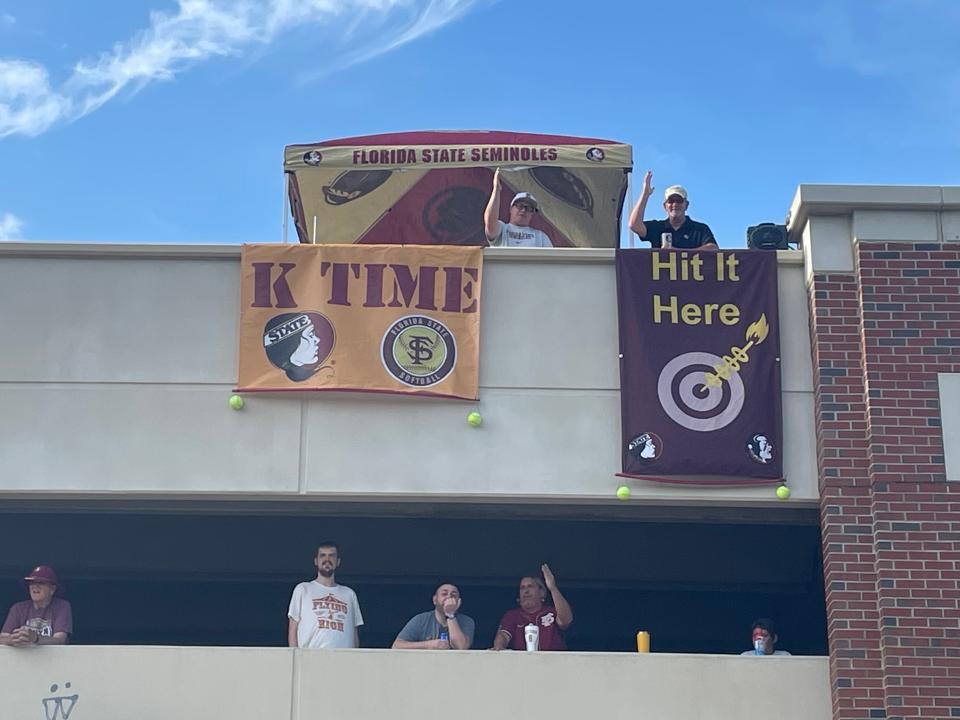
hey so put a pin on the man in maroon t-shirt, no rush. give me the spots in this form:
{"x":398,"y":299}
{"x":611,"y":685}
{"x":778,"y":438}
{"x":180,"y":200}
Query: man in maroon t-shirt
{"x":551,"y":619}
{"x":41,"y":620}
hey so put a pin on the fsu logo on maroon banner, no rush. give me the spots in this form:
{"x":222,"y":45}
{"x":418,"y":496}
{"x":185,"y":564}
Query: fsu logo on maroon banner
{"x":761,"y":449}
{"x":646,"y":448}
{"x":298,"y":343}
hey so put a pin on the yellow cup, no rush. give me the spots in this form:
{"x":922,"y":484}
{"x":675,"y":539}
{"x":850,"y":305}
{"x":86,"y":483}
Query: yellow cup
{"x":643,"y":641}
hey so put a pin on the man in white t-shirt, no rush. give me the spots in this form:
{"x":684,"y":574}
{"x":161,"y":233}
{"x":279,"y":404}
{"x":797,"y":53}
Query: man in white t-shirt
{"x":517,"y":232}
{"x":323,"y":614}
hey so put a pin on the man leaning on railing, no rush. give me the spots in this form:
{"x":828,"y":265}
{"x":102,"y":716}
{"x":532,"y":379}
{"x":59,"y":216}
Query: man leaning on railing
{"x":41,"y":620}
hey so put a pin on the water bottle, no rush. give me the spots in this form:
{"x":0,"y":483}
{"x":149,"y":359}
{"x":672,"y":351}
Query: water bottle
{"x":758,"y":646}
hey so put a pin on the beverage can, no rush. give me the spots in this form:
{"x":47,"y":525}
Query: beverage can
{"x":444,"y":635}
{"x":758,"y":646}
{"x":643,"y":641}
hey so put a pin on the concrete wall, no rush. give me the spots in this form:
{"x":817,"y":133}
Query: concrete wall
{"x":949,"y":385}
{"x":255,"y":684}
{"x":116,"y":363}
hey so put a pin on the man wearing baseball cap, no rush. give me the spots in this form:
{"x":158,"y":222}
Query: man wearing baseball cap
{"x":517,"y":232}
{"x":678,"y":230}
{"x":41,"y":620}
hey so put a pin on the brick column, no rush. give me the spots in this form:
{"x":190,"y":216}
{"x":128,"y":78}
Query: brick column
{"x":849,"y":573}
{"x":890,"y":519}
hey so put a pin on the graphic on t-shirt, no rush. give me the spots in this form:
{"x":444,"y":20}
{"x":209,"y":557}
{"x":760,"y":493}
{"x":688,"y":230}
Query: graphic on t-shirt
{"x":40,"y":626}
{"x":521,"y":236}
{"x":547,"y":620}
{"x":331,"y":612}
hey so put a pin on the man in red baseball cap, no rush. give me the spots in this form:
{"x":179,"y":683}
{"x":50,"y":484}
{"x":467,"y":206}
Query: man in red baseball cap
{"x":41,"y":620}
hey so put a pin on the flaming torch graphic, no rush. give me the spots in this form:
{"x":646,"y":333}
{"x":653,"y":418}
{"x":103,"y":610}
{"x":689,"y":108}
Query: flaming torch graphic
{"x":756,"y":333}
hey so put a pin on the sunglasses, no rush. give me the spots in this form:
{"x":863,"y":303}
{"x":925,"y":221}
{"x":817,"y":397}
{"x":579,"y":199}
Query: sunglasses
{"x":523,"y":207}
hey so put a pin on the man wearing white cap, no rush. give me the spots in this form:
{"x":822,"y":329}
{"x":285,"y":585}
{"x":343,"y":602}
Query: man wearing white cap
{"x":517,"y":232}
{"x":678,"y":230}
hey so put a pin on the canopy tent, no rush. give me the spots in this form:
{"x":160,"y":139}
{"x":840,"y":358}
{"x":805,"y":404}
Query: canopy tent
{"x":432,"y":187}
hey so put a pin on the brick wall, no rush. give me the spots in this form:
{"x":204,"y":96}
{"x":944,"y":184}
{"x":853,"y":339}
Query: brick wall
{"x":890,"y":521}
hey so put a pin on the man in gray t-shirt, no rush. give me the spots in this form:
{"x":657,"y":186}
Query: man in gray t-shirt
{"x":443,"y":628}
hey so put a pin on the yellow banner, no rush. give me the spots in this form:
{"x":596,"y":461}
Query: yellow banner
{"x":378,"y":318}
{"x":425,"y":157}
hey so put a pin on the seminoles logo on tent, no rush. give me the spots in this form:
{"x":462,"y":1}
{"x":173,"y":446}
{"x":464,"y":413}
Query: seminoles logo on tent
{"x":313,"y":157}
{"x":418,"y":351}
{"x":454,"y":216}
{"x":298,"y":343}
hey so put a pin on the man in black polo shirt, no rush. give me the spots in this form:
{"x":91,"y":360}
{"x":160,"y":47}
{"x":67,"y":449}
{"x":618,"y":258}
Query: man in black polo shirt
{"x":678,"y":230}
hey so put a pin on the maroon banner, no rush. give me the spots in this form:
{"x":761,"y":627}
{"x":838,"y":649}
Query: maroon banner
{"x":700,"y":366}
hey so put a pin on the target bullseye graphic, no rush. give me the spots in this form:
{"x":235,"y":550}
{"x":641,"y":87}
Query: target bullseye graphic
{"x":696,"y":396}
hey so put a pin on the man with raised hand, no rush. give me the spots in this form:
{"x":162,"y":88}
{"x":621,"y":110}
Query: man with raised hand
{"x":678,"y":230}
{"x":517,"y":232}
{"x":443,"y":628}
{"x":551,"y":619}
{"x":323,"y":614}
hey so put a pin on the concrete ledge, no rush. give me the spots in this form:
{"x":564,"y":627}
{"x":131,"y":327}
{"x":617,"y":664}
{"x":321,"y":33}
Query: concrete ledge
{"x":843,"y":199}
{"x":150,"y":683}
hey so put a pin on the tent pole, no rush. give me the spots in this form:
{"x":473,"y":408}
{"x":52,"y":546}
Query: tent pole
{"x":286,"y":205}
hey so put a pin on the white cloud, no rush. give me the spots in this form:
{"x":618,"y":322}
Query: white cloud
{"x":10,"y":227}
{"x":196,"y":31}
{"x":7,"y":20}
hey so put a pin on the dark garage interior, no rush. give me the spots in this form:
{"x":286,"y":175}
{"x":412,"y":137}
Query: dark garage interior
{"x":196,"y":573}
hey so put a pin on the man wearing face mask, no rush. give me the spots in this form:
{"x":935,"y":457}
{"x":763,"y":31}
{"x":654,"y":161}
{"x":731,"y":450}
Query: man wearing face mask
{"x":763,"y":635}
{"x":678,"y":230}
{"x":551,"y":619}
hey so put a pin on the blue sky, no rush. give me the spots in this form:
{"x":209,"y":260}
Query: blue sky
{"x":163,"y":121}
